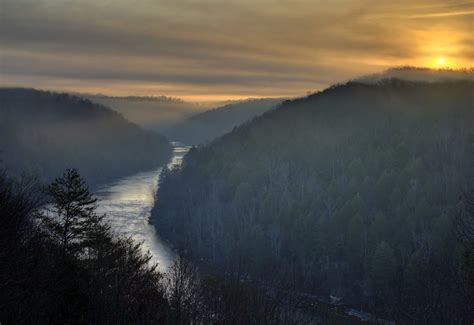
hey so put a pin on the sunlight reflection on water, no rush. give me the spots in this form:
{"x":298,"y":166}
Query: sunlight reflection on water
{"x":128,"y":203}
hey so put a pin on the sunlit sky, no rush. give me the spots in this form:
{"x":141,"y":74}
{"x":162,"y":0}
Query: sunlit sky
{"x":229,"y":49}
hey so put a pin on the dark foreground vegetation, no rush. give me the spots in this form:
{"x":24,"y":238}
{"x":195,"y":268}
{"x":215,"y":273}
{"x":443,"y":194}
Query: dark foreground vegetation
{"x":42,"y":133}
{"x":63,"y":266}
{"x":355,"y":193}
{"x":60,"y":264}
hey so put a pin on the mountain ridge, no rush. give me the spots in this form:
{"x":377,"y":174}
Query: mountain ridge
{"x":209,"y":125}
{"x":351,"y":190}
{"x":46,"y":132}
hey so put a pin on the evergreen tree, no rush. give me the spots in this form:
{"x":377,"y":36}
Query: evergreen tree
{"x":73,"y":221}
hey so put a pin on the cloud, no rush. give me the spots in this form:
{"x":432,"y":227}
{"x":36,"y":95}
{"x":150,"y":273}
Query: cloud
{"x":443,"y":14}
{"x":238,"y":47}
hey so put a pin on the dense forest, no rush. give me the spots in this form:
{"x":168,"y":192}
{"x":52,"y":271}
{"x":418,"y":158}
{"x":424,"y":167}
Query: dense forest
{"x":354,"y":193}
{"x":63,"y":265}
{"x":208,"y":125}
{"x":42,"y":133}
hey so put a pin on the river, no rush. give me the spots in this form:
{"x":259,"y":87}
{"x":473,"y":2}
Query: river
{"x":127,"y":204}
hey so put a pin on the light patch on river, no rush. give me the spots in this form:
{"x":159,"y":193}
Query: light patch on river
{"x":127,"y":204}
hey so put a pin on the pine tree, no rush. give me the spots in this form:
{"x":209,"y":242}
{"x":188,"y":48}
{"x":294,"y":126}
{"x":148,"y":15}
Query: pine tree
{"x":73,"y":221}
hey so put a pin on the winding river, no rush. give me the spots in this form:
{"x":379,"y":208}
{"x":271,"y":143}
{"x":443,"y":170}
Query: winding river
{"x":128,"y":203}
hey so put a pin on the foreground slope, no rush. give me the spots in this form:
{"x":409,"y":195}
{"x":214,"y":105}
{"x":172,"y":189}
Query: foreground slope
{"x":208,"y":125}
{"x":350,"y":192}
{"x":43,"y":133}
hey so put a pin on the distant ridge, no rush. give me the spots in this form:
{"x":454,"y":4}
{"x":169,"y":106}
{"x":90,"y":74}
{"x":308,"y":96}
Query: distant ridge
{"x":153,"y":113}
{"x":43,"y":133}
{"x":209,"y":125}
{"x":420,"y":74}
{"x":160,"y":98}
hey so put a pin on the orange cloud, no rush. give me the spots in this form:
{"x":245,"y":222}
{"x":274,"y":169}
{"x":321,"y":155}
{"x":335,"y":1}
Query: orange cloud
{"x":235,"y":48}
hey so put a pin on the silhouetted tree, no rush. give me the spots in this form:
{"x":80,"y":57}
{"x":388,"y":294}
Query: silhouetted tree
{"x":183,"y":291}
{"x":72,"y":219}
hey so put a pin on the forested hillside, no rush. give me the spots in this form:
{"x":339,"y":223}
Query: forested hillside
{"x":64,"y":265}
{"x":211,"y":124}
{"x":42,"y":133}
{"x":352,"y":192}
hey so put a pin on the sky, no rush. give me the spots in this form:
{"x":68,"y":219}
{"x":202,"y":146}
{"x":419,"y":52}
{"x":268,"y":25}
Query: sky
{"x":202,"y":50}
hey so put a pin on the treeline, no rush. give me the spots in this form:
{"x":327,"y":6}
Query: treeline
{"x":43,"y":132}
{"x":352,"y":192}
{"x":60,"y":264}
{"x":211,"y":124}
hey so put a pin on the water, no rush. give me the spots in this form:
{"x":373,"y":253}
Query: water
{"x":128,"y":203}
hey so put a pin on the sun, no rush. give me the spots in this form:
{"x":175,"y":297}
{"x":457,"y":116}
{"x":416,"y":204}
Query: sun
{"x":441,"y":62}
